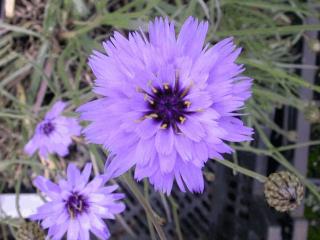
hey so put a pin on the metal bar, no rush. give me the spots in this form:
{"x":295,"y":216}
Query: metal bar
{"x":300,"y":159}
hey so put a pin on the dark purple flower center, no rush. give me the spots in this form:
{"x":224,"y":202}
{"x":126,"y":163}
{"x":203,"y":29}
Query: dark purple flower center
{"x":168,"y":105}
{"x":76,"y":204}
{"x":47,"y":128}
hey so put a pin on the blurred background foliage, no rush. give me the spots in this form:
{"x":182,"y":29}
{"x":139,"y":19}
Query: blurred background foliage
{"x":44,"y":48}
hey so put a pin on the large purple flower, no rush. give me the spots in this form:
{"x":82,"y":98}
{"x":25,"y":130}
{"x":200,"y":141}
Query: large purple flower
{"x":168,"y":104}
{"x":77,"y":206}
{"x":53,"y":134}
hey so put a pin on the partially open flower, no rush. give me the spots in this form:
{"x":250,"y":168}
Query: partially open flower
{"x":283,"y":191}
{"x":53,"y":134}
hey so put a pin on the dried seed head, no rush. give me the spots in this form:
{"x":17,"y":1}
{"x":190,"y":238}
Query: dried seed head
{"x":30,"y":231}
{"x":283,"y":191}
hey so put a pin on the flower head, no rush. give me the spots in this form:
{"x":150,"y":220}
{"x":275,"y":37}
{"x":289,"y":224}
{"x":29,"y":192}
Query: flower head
{"x":168,"y":103}
{"x":53,"y":134}
{"x":77,"y":206}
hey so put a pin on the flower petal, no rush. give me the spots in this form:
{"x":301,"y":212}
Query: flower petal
{"x":56,"y":110}
{"x":164,"y":141}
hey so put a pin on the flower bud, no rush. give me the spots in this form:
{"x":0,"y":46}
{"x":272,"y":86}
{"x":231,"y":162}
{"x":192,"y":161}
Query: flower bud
{"x":30,"y":231}
{"x":283,"y":191}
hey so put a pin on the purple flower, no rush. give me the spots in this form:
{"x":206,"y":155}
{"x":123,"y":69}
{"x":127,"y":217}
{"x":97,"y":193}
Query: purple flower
{"x":77,"y":206}
{"x":168,"y":104}
{"x":53,"y":134}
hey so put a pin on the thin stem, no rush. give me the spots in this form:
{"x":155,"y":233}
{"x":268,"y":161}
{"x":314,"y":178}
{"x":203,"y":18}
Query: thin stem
{"x":176,"y":217}
{"x":145,"y":204}
{"x":284,"y":162}
{"x":7,"y":163}
{"x":298,"y":145}
{"x":235,"y":160}
{"x":269,"y":31}
{"x":4,"y":232}
{"x":242,"y":170}
{"x":279,"y":149}
{"x":124,"y":224}
{"x":146,"y":195}
{"x":20,"y":30}
{"x":17,"y":190}
{"x":253,"y":150}
{"x":165,"y":206}
{"x":94,"y":163}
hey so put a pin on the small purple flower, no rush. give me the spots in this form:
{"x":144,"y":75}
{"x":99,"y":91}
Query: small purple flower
{"x":168,"y":103}
{"x":76,"y":206}
{"x":53,"y":134}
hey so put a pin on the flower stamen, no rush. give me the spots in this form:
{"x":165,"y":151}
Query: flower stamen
{"x":154,"y":90}
{"x":186,"y":90}
{"x":182,"y":119}
{"x":76,"y":204}
{"x":187,"y":104}
{"x":164,"y":126}
{"x":152,"y":115}
{"x":166,"y":86}
{"x":167,"y":104}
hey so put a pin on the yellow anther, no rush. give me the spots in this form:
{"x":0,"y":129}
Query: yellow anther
{"x":182,"y":119}
{"x":152,"y":115}
{"x":187,"y":103}
{"x":164,"y":126}
{"x":147,"y":98}
{"x":166,"y":86}
{"x":154,"y":90}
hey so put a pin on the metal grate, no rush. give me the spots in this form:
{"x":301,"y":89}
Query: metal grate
{"x":222,"y":212}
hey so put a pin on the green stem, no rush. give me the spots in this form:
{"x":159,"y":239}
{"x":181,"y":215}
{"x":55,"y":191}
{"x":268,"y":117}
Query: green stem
{"x":176,"y":217}
{"x":146,"y":195}
{"x":253,"y":150}
{"x":125,"y":225}
{"x":242,"y":170}
{"x":298,"y":145}
{"x":20,"y":30}
{"x":145,"y":204}
{"x":7,"y":163}
{"x":279,"y":149}
{"x":17,"y":190}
